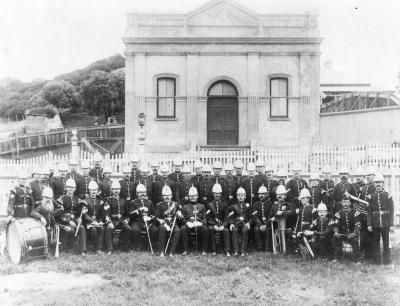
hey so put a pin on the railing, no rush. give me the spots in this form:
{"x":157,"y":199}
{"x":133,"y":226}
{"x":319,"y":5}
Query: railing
{"x":62,"y":137}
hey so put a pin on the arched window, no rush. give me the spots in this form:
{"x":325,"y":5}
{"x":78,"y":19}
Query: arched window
{"x":223,"y":88}
{"x":166,"y":102}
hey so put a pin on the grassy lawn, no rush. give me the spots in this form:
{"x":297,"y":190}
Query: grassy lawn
{"x":258,"y":279}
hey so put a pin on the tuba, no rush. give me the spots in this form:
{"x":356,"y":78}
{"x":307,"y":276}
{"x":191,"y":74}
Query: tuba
{"x":278,"y":235}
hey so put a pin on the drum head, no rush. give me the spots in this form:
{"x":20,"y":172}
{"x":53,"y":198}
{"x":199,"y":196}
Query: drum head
{"x":14,"y":243}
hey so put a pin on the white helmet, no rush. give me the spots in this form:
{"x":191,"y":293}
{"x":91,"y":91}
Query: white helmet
{"x":217,"y":188}
{"x":97,"y":157}
{"x":141,"y":188}
{"x":296,"y":167}
{"x":281,"y":173}
{"x":343,"y":170}
{"x":164,"y":168}
{"x":379,"y":178}
{"x":206,"y":168}
{"x":251,"y":166}
{"x":73,"y":161}
{"x":134,"y":158}
{"x":369,"y":170}
{"x":193,"y":191}
{"x":228,"y":167}
{"x":154,"y":163}
{"x":144,"y":168}
{"x":126,"y":169}
{"x":326,"y":169}
{"x":322,"y":206}
{"x":304,"y":193}
{"x":186,"y":169}
{"x":115,"y":185}
{"x":107,"y":169}
{"x":359,"y":171}
{"x":241,"y":191}
{"x":281,"y":190}
{"x":260,"y":163}
{"x":93,"y":185}
{"x":63,"y":166}
{"x":197,"y":164}
{"x":85,"y":164}
{"x":238,"y":164}
{"x":166,"y":190}
{"x":70,"y":183}
{"x":262,"y":189}
{"x":177,"y":162}
{"x":217,"y":165}
{"x":268,"y":168}
{"x":47,"y":192}
{"x":314,"y":176}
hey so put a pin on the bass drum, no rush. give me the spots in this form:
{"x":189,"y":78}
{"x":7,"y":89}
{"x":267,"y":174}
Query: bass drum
{"x":26,"y":239}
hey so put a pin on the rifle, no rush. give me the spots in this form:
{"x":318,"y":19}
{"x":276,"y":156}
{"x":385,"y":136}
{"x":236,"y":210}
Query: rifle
{"x":172,"y":229}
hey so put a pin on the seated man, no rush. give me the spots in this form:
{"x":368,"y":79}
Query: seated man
{"x":194,"y":219}
{"x":167,"y":213}
{"x":346,"y":229}
{"x":321,"y":233}
{"x":116,"y":211}
{"x":217,"y":220}
{"x":141,"y":214}
{"x":260,"y":213}
{"x":306,"y":212}
{"x":239,"y":220}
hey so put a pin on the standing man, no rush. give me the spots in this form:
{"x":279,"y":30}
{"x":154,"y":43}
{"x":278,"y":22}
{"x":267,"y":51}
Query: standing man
{"x":260,"y":212}
{"x":317,"y":193}
{"x":73,"y":174}
{"x":145,"y":180}
{"x":37,"y":187}
{"x":295,"y":185}
{"x":105,"y":185}
{"x":251,"y":184}
{"x":58,"y":183}
{"x":86,"y":179}
{"x":205,"y":187}
{"x":127,"y":186}
{"x":271,"y":183}
{"x":341,"y":188}
{"x":20,"y":201}
{"x":239,"y":177}
{"x":327,"y":185}
{"x":135,"y":173}
{"x":260,"y":169}
{"x":359,"y":184}
{"x":231,"y":184}
{"x":154,"y":171}
{"x":380,"y":219}
{"x":369,"y":187}
{"x":97,"y":171}
{"x":164,"y":181}
{"x":183,"y":186}
{"x":218,"y":179}
{"x":197,"y":168}
{"x":176,"y":176}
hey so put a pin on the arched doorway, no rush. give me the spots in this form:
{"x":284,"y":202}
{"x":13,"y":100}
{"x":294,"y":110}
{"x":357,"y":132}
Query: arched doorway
{"x":222,"y":114}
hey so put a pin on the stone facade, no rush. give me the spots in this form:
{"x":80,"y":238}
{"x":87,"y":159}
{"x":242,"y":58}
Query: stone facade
{"x":222,"y":41}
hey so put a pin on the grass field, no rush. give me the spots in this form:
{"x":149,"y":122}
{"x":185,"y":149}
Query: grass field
{"x":258,"y":279}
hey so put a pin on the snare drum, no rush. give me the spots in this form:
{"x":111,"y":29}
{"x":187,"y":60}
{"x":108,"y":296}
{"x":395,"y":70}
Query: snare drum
{"x":26,"y":239}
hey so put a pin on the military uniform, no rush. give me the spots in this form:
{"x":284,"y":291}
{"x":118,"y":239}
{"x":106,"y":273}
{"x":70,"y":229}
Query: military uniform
{"x":80,"y":185}
{"x":327,"y":187}
{"x":205,"y":191}
{"x":157,"y":189}
{"x":232,"y":186}
{"x":346,"y":223}
{"x":135,"y":175}
{"x":260,"y":213}
{"x":223,"y":182}
{"x":239,"y":178}
{"x":240,"y":214}
{"x":251,"y":185}
{"x":305,"y":218}
{"x":294,"y":186}
{"x":84,"y":186}
{"x":182,"y":191}
{"x":97,"y":174}
{"x":338,"y":192}
{"x":262,"y":178}
{"x":321,"y":243}
{"x":166,"y":212}
{"x":20,"y":202}
{"x":317,"y":196}
{"x":217,"y":215}
{"x":136,"y":215}
{"x":147,"y":183}
{"x":58,"y":186}
{"x":94,"y":221}
{"x":105,"y":188}
{"x":128,"y":191}
{"x":194,"y":212}
{"x":196,"y":178}
{"x":358,"y":188}
{"x":380,"y":214}
{"x":367,"y":191}
{"x":155,"y":178}
{"x":37,"y":189}
{"x":271,"y":185}
{"x":117,"y":216}
{"x":175,"y":176}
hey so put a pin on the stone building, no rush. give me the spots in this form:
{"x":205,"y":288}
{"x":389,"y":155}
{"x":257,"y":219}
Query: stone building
{"x":222,"y":76}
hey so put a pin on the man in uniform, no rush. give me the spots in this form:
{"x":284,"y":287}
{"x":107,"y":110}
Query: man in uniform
{"x":164,"y":181}
{"x":239,"y":220}
{"x":176,"y":176}
{"x":105,"y":184}
{"x":58,"y":183}
{"x":251,"y":184}
{"x":20,"y":201}
{"x":317,"y":193}
{"x":194,"y":219}
{"x":154,"y":169}
{"x":281,"y":177}
{"x":271,"y":183}
{"x":369,"y":187}
{"x":205,"y":186}
{"x":380,"y":219}
{"x":346,"y":229}
{"x":359,"y":184}
{"x":141,"y":213}
{"x":197,"y":168}
{"x":135,"y":172}
{"x":327,"y":185}
{"x":183,"y":186}
{"x":260,"y":169}
{"x":217,"y":220}
{"x":86,"y":179}
{"x":341,"y":188}
{"x":231,"y":184}
{"x":295,"y":185}
{"x":95,"y":219}
{"x":117,"y":217}
{"x":239,"y":177}
{"x":145,"y":180}
{"x":260,"y":213}
{"x":127,"y":186}
{"x":167,"y":212}
{"x":97,"y":171}
{"x":73,"y":174}
{"x":218,"y":179}
{"x":37,"y":187}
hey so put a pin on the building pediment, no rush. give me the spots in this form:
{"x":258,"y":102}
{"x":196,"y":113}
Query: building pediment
{"x":222,"y":13}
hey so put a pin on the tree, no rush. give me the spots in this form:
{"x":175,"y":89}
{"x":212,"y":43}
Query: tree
{"x":61,"y":94}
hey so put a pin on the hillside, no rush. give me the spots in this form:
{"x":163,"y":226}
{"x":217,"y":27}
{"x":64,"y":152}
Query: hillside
{"x":96,"y":91}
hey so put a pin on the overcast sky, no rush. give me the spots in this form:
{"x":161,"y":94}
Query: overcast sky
{"x":44,"y":38}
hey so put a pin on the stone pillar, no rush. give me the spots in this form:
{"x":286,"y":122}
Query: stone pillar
{"x":139,"y":97}
{"x":253,"y":97}
{"x":74,"y":146}
{"x":192,"y":94}
{"x":129,"y":101}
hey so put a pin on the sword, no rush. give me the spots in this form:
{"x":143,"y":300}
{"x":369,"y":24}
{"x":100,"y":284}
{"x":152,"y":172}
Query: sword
{"x":172,"y":229}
